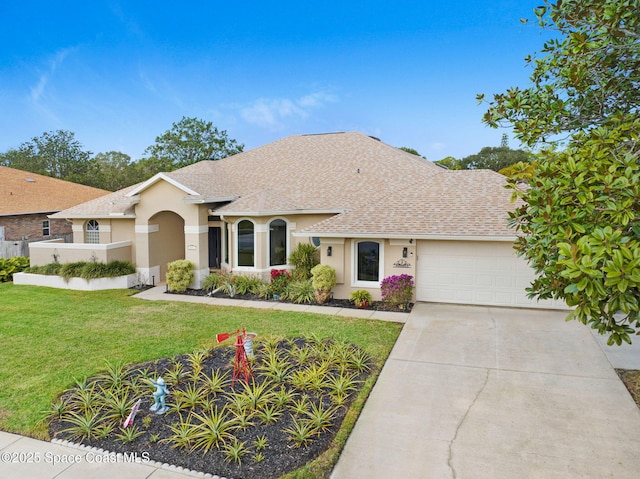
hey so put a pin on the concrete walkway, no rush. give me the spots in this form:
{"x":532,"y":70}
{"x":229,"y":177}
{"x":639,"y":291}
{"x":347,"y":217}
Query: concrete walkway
{"x":496,"y":393}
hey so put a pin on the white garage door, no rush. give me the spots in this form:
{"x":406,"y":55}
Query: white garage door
{"x":474,"y":272}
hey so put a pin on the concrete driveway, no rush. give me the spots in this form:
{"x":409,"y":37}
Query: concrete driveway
{"x":496,"y":393}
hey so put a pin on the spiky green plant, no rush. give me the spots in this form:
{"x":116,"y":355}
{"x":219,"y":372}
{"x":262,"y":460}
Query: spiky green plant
{"x":183,"y":434}
{"x":190,"y":396}
{"x":84,"y":425}
{"x":212,"y":429}
{"x":359,"y":361}
{"x":269,"y":414}
{"x":277,"y":370}
{"x":215,"y":382}
{"x":342,"y":384}
{"x":176,"y":374}
{"x":319,"y":417}
{"x":117,"y":406}
{"x":114,"y":375}
{"x":196,"y":360}
{"x":256,"y":395}
{"x":129,"y":434}
{"x":300,"y":432}
{"x":283,"y":397}
{"x":261,"y":442}
{"x":300,"y":406}
{"x":235,"y":451}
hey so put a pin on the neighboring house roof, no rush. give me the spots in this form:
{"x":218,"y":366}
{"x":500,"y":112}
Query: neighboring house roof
{"x":373,"y":189}
{"x":23,"y":192}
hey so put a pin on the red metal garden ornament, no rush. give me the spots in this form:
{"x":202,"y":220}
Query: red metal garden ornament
{"x":241,"y":365}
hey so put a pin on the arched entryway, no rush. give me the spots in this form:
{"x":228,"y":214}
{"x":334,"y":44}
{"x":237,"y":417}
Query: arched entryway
{"x":167,"y":243}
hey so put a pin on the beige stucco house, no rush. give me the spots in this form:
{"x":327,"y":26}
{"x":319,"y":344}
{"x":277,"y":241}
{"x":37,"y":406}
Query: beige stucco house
{"x":372,"y":210}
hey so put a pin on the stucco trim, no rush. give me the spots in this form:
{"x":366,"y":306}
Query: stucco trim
{"x":161,"y":176}
{"x":147,"y":228}
{"x":196,"y":229}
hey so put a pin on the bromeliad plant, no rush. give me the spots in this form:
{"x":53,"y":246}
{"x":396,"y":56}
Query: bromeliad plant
{"x":301,"y":389}
{"x":397,"y":291}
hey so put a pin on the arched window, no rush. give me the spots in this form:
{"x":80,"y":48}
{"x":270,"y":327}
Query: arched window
{"x":92,"y":235}
{"x":246,"y":244}
{"x":368,"y":262}
{"x":277,"y":243}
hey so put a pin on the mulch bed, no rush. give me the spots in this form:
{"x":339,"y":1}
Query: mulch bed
{"x":280,"y":457}
{"x":335,"y":303}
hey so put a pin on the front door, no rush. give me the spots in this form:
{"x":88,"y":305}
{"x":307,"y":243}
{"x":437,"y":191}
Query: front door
{"x":215,"y":247}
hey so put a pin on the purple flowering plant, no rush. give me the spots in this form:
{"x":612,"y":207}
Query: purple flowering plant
{"x":397,"y":290}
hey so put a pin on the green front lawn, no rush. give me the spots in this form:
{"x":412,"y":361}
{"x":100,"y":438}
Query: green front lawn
{"x":51,"y":337}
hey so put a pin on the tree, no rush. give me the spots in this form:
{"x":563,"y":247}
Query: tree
{"x":57,"y":154}
{"x":111,"y":171}
{"x":579,"y":221}
{"x":413,"y":151}
{"x":450,"y":163}
{"x":494,"y":158}
{"x":189,"y":141}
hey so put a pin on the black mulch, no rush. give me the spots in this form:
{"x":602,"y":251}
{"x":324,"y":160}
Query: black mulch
{"x":336,"y":303}
{"x":280,"y":457}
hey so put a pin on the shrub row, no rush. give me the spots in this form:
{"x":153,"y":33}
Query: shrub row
{"x":85,"y":269}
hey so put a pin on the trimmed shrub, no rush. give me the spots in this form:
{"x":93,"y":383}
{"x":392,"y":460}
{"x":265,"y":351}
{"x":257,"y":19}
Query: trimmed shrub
{"x":180,"y":275}
{"x":324,"y":278}
{"x":9,"y":266}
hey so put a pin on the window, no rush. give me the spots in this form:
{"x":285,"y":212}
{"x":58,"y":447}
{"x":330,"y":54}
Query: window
{"x":277,"y":243}
{"x":246,"y":243}
{"x":93,"y":232}
{"x":368,"y":261}
{"x":46,"y":228}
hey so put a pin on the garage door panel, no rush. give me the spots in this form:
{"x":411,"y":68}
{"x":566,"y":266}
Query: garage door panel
{"x":486,"y":273}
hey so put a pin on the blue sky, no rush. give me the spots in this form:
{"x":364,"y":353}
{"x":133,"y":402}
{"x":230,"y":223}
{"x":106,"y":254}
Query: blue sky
{"x":119,"y":73}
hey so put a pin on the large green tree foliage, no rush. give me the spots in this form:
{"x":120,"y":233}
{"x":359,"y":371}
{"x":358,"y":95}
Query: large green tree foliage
{"x":188,"y":141}
{"x":489,"y":158}
{"x":111,"y":171}
{"x":494,"y":158}
{"x":579,"y":220}
{"x":57,"y":154}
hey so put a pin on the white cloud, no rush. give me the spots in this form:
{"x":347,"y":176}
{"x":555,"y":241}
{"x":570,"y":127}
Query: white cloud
{"x":38,"y":91}
{"x":437,"y":146}
{"x":273,"y":112}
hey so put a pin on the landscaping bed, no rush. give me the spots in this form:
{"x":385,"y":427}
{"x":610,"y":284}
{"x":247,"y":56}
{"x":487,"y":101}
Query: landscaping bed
{"x":286,"y":416}
{"x":336,"y":303}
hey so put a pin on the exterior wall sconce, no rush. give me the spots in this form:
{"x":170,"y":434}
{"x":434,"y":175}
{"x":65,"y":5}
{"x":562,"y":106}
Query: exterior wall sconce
{"x":405,"y":252}
{"x":329,"y":250}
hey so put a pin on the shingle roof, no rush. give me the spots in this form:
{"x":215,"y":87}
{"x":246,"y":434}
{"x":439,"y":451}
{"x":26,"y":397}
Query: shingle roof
{"x":456,"y":203}
{"x":376,"y":188}
{"x":22,"y":192}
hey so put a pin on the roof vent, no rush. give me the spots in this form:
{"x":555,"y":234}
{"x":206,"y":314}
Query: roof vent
{"x":30,"y":180}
